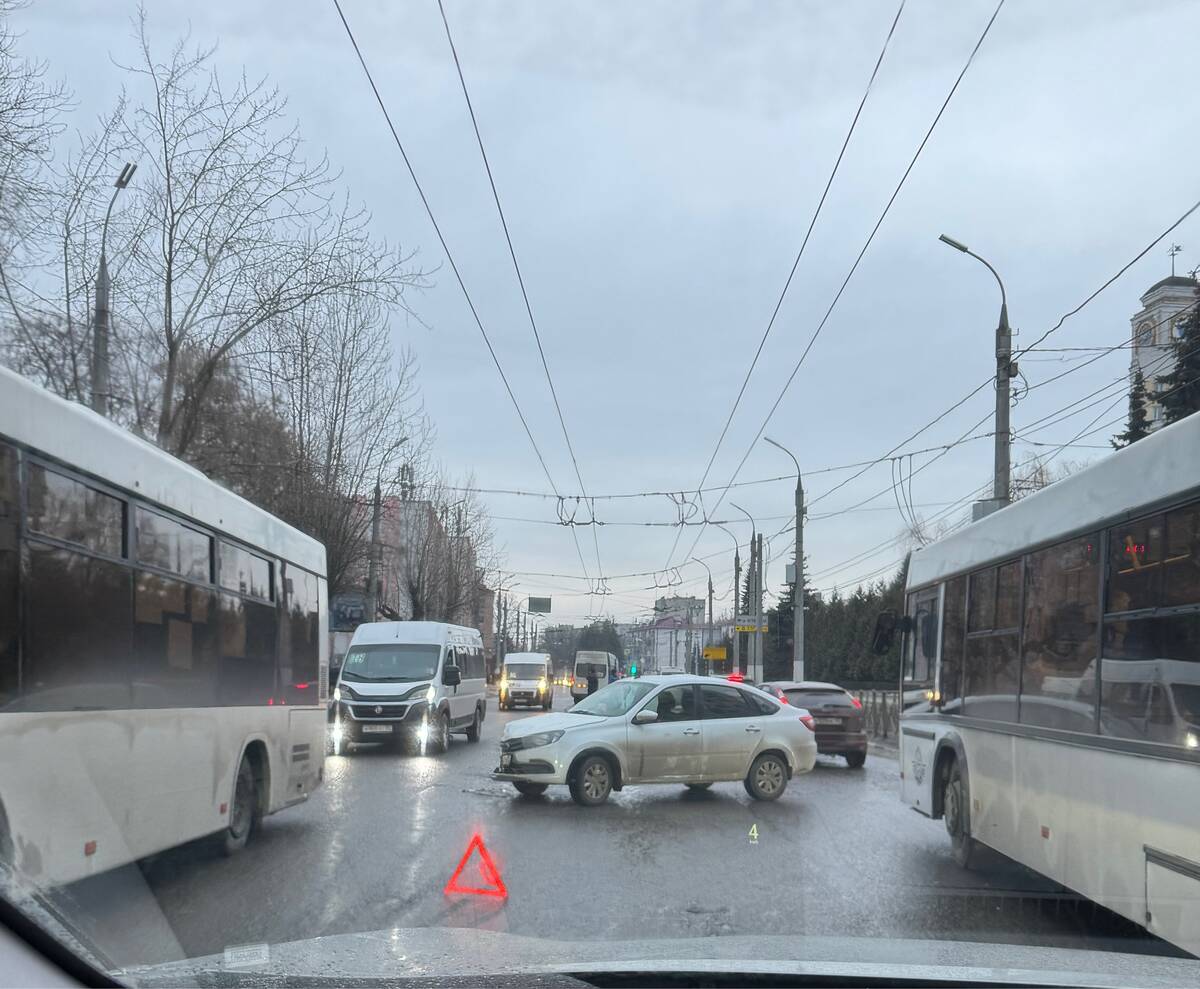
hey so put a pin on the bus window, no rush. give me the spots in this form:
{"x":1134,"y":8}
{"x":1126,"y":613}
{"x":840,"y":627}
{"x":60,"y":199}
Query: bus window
{"x":8,"y":575}
{"x":921,"y":650}
{"x":63,"y":508}
{"x":1059,"y":645}
{"x":1181,"y":567}
{"x":1135,"y":565}
{"x":955,"y":622}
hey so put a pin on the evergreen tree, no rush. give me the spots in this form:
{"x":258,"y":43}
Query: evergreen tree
{"x":1138,"y":425}
{"x":1181,"y":395}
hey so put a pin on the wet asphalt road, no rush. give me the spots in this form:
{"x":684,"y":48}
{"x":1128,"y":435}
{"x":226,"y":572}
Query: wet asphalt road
{"x":374,"y":847}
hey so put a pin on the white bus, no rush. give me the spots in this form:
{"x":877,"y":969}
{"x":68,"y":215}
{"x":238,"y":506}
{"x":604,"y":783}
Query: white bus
{"x":163,"y":648}
{"x":1057,"y":646}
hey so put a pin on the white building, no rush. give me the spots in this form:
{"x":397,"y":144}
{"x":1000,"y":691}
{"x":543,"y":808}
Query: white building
{"x":1155,"y":327}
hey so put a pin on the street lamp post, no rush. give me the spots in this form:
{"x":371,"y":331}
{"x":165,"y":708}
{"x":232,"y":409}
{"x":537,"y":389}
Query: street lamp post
{"x":100,"y":373}
{"x":755,"y":641}
{"x":708,"y":635}
{"x":737,"y":580}
{"x":1005,"y":371}
{"x":798,"y":585}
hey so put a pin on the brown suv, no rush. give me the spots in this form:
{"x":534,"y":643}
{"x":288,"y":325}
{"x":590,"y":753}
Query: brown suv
{"x":837,"y":716}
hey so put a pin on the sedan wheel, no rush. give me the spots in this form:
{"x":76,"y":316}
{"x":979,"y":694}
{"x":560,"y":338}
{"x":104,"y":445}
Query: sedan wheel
{"x":593,"y":781}
{"x":767,"y":778}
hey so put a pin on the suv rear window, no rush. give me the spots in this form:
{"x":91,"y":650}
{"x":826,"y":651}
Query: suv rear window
{"x":818,"y":698}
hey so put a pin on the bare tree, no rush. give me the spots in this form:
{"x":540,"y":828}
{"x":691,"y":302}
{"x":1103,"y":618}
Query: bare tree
{"x":1037,"y":472}
{"x":30,"y":110}
{"x":231,"y":230}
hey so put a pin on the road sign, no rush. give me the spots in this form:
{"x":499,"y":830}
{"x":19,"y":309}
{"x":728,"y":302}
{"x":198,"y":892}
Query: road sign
{"x":747,"y":628}
{"x":714,"y":652}
{"x":539,"y":606}
{"x":493,"y":885}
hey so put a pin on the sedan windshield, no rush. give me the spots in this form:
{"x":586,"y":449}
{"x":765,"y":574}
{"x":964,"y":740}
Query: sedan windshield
{"x":524,"y":671}
{"x":391,"y":663}
{"x":613,"y":700}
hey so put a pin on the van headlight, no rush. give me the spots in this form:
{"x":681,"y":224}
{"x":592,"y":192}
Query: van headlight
{"x":337,"y":693}
{"x":430,"y":693}
{"x":541,"y":739}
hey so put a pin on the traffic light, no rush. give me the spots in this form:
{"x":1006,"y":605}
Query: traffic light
{"x":633,"y":670}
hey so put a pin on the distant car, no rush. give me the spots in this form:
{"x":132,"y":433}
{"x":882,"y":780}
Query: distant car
{"x":837,"y":716}
{"x":685,"y":729}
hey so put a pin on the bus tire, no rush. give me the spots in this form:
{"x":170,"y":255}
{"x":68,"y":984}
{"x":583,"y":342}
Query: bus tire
{"x":956,"y":804}
{"x":476,"y":728}
{"x":245,"y":815}
{"x":439,"y":732}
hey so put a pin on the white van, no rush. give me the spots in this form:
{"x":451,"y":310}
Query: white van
{"x":410,"y":682}
{"x":590,"y":661}
{"x":527,"y":678}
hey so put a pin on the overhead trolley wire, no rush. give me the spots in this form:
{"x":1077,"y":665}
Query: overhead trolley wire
{"x":799,"y":254}
{"x":450,"y":259}
{"x":858,"y":260}
{"x":512,"y":253}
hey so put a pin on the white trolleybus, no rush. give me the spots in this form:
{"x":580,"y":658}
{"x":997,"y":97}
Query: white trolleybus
{"x":163,"y":648}
{"x":1057,"y":646}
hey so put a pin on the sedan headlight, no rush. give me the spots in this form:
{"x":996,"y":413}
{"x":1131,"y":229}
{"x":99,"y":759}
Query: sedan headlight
{"x":541,"y":739}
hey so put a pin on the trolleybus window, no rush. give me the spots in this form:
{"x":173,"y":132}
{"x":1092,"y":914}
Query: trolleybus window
{"x":1060,"y":635}
{"x":8,"y":574}
{"x":245,"y":572}
{"x":66,"y":509}
{"x":169,"y":545}
{"x":953,"y":634}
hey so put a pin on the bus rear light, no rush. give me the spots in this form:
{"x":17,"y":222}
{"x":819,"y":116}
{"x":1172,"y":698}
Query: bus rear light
{"x":89,"y":847}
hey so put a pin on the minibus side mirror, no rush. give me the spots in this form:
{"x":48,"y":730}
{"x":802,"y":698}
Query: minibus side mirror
{"x":451,"y":676}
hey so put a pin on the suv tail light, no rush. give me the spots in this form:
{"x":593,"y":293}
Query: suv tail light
{"x":856,"y":702}
{"x":781,"y":697}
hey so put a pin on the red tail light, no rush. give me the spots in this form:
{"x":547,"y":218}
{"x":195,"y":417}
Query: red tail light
{"x":736,"y":677}
{"x":807,"y":721}
{"x":782,"y":698}
{"x":856,"y":702}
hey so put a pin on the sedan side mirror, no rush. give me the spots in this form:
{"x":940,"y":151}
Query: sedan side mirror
{"x":451,"y":676}
{"x":645,"y":717}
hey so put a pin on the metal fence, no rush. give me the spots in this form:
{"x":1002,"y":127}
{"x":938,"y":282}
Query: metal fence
{"x":881,"y":712}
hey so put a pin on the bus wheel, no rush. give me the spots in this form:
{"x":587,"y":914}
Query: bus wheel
{"x":438,"y":732}
{"x":957,"y":813}
{"x":244,"y":815}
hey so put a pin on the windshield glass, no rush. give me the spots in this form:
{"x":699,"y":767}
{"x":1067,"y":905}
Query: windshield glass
{"x":613,"y":700}
{"x":399,"y":663}
{"x":620,"y":348}
{"x":590,"y":669}
{"x":524,"y":671}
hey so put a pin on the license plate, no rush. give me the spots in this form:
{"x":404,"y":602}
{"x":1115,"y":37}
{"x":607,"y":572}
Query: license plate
{"x":505,"y":760}
{"x":827,"y":721}
{"x":376,"y":729}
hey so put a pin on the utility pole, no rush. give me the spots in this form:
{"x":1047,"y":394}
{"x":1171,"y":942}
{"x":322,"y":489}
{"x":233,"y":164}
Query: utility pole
{"x":1006,"y":369}
{"x":758,"y":612}
{"x":737,"y":593}
{"x":751,"y":574}
{"x":798,"y":574}
{"x":373,"y":560}
{"x":101,"y":388}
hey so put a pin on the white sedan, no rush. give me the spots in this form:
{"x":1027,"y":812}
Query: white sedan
{"x":691,"y":730}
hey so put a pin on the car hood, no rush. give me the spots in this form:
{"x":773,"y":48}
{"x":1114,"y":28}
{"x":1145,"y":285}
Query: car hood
{"x":442,"y":953}
{"x":548,"y":722}
{"x":383,"y":688}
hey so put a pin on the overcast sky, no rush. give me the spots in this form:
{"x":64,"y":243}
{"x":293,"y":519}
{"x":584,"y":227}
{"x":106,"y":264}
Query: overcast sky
{"x":659,"y":164}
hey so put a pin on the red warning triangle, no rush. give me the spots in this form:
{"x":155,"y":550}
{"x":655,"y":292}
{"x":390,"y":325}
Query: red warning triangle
{"x":493,"y":884}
